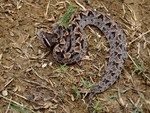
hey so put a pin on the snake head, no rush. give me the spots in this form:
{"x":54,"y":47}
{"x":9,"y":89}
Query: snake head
{"x":49,"y":39}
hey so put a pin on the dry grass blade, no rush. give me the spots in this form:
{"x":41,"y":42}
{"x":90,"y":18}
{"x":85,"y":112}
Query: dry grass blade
{"x":80,"y":5}
{"x":7,"y":83}
{"x":7,"y":110}
{"x":30,"y":78}
{"x":47,"y":8}
{"x":16,"y":103}
{"x":140,"y":36}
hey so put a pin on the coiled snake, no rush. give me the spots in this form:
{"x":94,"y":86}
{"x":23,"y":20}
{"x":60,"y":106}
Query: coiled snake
{"x":70,"y":46}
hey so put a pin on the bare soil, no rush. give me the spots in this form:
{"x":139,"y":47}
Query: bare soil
{"x":32,"y":79}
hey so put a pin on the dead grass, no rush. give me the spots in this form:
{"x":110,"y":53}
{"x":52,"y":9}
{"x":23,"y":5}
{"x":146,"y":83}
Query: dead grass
{"x":31,"y":79}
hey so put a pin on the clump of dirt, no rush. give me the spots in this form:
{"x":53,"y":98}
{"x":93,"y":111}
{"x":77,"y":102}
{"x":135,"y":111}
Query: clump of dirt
{"x":31,"y":80}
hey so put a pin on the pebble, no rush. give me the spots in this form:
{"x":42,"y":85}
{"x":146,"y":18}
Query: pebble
{"x":44,"y":65}
{"x":4,"y":93}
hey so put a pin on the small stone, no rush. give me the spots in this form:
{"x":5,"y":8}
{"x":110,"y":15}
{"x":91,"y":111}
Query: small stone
{"x":72,"y":98}
{"x":50,"y":64}
{"x":39,"y":52}
{"x":12,"y":34}
{"x":44,"y":65}
{"x":4,"y":93}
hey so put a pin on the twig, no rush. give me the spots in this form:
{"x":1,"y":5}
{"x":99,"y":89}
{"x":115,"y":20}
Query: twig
{"x":47,"y":8}
{"x":133,"y":103}
{"x":146,"y":76}
{"x":18,"y":95}
{"x":139,"y":37}
{"x":36,"y":83}
{"x":80,"y":5}
{"x":7,"y":84}
{"x":97,"y":34}
{"x":120,"y":98}
{"x":132,"y":60}
{"x":10,"y":100}
{"x":8,"y":106}
{"x":39,"y":75}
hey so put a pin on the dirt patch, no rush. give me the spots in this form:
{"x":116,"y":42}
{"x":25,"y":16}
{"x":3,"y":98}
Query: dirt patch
{"x":30,"y":77}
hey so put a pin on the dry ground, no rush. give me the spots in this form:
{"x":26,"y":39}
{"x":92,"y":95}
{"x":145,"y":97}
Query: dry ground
{"x":30,"y":77}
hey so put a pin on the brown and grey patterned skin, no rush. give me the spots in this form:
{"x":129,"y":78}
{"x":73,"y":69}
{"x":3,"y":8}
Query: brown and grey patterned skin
{"x":70,"y":46}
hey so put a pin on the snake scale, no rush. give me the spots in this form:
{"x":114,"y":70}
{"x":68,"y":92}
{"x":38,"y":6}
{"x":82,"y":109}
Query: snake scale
{"x":70,"y":46}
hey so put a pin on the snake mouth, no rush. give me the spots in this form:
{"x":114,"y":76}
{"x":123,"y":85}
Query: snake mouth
{"x":49,"y":39}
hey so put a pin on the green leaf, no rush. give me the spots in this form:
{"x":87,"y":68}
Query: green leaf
{"x":76,"y":91}
{"x":62,"y":68}
{"x":19,"y":108}
{"x":87,"y":84}
{"x":112,"y":96}
{"x":65,"y":19}
{"x":124,"y":91}
{"x":139,"y":66}
{"x":138,"y":110}
{"x":96,"y":107}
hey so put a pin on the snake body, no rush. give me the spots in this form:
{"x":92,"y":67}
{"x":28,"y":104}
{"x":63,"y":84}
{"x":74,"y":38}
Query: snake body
{"x":70,"y":46}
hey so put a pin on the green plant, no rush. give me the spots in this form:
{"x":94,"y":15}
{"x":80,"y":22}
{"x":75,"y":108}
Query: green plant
{"x":87,"y":84}
{"x":139,"y":66}
{"x":76,"y":91}
{"x":19,"y":108}
{"x":125,"y":90}
{"x":138,"y":110}
{"x":96,"y":107}
{"x":112,"y":96}
{"x":65,"y":19}
{"x":63,"y":68}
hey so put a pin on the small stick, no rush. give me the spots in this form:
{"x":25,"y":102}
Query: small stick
{"x":47,"y":8}
{"x":80,"y":5}
{"x":7,"y":84}
{"x":132,"y":60}
{"x":139,"y":36}
{"x":8,"y":106}
{"x":12,"y":101}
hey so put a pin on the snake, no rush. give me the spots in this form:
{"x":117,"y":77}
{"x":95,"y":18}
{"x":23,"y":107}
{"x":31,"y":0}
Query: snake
{"x":69,"y":45}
